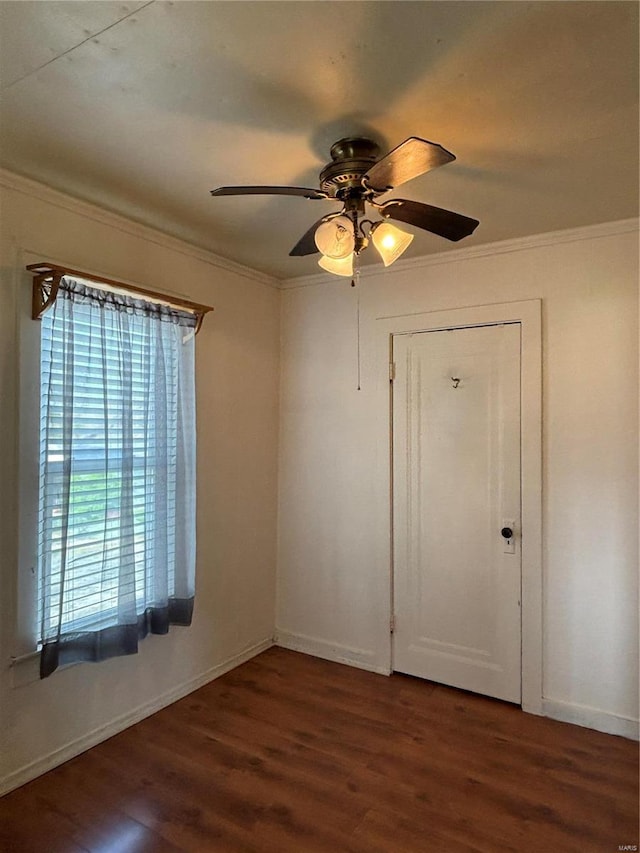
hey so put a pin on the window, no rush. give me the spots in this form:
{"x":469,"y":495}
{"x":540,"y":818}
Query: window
{"x":116,"y":504}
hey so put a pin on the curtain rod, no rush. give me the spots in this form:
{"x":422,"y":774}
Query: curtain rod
{"x":47,"y":281}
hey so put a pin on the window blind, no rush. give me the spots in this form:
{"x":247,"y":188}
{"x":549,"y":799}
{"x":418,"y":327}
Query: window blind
{"x":116,"y":543}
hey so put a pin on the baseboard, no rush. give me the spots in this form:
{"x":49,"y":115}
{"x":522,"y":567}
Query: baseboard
{"x":70,"y":750}
{"x":360,"y":658}
{"x":580,"y":715}
{"x":591,"y":718}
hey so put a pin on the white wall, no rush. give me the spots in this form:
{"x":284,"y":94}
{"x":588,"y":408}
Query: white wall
{"x":333,"y":588}
{"x":333,"y":585}
{"x":43,"y":722}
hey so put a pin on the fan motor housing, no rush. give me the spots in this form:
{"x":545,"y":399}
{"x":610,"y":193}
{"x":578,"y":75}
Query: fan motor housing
{"x":352,"y":157}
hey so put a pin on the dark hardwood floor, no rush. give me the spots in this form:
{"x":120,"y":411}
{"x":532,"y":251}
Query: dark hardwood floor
{"x":292,"y":753}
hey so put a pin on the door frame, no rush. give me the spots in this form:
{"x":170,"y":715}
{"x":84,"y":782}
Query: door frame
{"x":528,"y":314}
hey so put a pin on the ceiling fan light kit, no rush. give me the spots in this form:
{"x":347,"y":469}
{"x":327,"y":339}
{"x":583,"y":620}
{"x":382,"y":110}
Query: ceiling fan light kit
{"x":356,"y":176}
{"x":335,"y":238}
{"x":390,"y":241}
{"x":338,"y":266}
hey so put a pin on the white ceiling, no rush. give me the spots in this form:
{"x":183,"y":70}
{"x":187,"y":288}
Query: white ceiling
{"x":144,"y":107}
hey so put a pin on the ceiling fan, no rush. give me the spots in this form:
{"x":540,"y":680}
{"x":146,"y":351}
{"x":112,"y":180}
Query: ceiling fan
{"x":357,"y":176}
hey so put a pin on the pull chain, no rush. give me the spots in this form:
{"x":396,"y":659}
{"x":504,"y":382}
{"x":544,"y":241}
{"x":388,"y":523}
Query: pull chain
{"x":355,"y":282}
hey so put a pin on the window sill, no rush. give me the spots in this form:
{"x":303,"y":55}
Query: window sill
{"x":25,"y":669}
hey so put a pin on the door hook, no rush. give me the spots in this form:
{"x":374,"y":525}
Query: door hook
{"x":455,"y":381}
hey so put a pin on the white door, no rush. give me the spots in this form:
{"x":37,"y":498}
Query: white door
{"x":456,"y":495}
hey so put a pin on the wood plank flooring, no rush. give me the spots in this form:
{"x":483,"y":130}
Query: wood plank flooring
{"x":292,"y":753}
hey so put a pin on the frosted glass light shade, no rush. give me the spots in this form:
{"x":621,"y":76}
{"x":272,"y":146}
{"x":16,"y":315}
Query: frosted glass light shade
{"x":335,"y":238}
{"x":338,"y":266}
{"x":390,"y":241}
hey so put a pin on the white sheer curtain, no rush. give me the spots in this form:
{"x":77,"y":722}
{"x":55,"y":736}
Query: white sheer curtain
{"x":117,"y":473}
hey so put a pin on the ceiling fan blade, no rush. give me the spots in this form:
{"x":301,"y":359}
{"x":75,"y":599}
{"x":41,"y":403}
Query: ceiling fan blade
{"x":411,"y":158}
{"x":444,"y":223}
{"x":305,"y":192}
{"x":306,"y":245}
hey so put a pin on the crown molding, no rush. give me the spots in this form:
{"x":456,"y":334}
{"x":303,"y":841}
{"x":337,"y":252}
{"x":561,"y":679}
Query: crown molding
{"x":519,"y":244}
{"x":28,"y":186}
{"x":89,"y":210}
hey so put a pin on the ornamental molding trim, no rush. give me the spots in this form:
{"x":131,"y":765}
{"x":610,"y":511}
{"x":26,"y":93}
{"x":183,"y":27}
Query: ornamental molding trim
{"x":518,"y":244}
{"x":43,"y":192}
{"x":89,"y":210}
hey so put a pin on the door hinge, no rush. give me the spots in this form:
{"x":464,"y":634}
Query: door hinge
{"x":392,"y":625}
{"x":392,"y":371}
